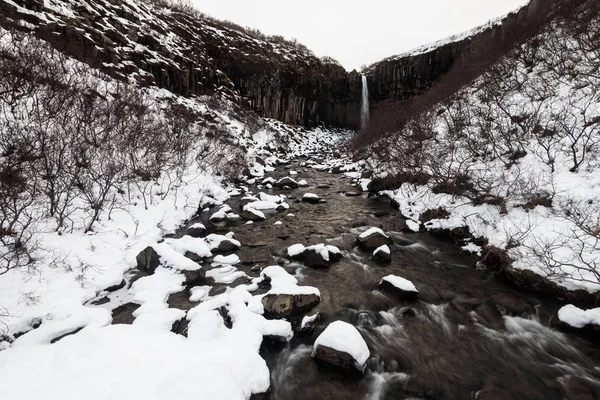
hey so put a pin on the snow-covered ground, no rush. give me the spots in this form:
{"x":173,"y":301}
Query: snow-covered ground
{"x":50,"y":297}
{"x":514,"y":157}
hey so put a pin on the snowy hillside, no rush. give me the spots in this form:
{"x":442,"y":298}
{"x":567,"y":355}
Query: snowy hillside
{"x":515,"y":156}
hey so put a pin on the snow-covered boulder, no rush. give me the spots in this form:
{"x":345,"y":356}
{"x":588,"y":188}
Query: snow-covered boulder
{"x":311,"y":198}
{"x":317,"y":256}
{"x":222,"y":243}
{"x":401,"y":288}
{"x":287,"y":181}
{"x":585,"y":322}
{"x":342,"y":345}
{"x":309,"y":323}
{"x":196,"y":230}
{"x":383,"y":254}
{"x":373,"y":238}
{"x":286,"y":299}
{"x":253,"y":215}
{"x":302,"y":183}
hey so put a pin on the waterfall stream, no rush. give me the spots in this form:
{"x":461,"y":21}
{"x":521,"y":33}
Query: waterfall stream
{"x":364,"y":114}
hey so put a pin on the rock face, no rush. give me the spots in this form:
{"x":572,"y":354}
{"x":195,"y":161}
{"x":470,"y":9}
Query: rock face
{"x":193,"y":55}
{"x":289,"y":305}
{"x":405,"y":76}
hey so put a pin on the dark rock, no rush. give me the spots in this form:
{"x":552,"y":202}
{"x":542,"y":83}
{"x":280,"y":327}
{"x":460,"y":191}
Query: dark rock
{"x":227,"y":245}
{"x":287,"y":305}
{"x":148,"y":260}
{"x":252,"y":216}
{"x":373,"y":241}
{"x":124,"y":314}
{"x":73,"y":332}
{"x":310,"y":326}
{"x":193,"y":277}
{"x":192,"y":256}
{"x":195,"y":232}
{"x":100,"y":301}
{"x":400,"y":294}
{"x":509,"y":304}
{"x":114,"y":288}
{"x":382,"y":257}
{"x":313,"y":258}
{"x":311,"y":200}
{"x":336,"y":358}
{"x":286,"y":182}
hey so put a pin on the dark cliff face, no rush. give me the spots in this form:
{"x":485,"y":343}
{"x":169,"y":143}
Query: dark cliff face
{"x":193,"y":55}
{"x":405,"y":76}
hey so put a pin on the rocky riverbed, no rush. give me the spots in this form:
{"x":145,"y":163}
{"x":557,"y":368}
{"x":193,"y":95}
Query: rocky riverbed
{"x":464,"y":336}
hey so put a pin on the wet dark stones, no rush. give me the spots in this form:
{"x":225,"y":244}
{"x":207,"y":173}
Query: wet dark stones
{"x":288,"y":305}
{"x":337,"y":358}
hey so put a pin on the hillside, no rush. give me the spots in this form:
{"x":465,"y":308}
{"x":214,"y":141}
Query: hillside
{"x":189,"y":54}
{"x":513,"y":155}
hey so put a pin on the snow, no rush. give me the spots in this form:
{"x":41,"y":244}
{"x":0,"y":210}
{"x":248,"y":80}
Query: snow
{"x":308,"y":319}
{"x":295,"y":250}
{"x":270,"y":198}
{"x":152,"y":365}
{"x":265,"y":205}
{"x":257,"y":213}
{"x":188,"y":243}
{"x":578,"y":318}
{"x":172,"y":258}
{"x":310,"y":196}
{"x":197,"y":225}
{"x":400,"y":283}
{"x":214,"y":240}
{"x":284,"y":283}
{"x":343,"y":337}
{"x":302,"y":183}
{"x":383,"y":249}
{"x":226,"y":260}
{"x":372,"y":231}
{"x":320,"y":249}
{"x":412,"y":225}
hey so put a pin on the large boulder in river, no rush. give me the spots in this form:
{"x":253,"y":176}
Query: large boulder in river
{"x":148,"y":260}
{"x":342,"y":345}
{"x":373,"y":238}
{"x":289,"y":305}
{"x":400,"y":288}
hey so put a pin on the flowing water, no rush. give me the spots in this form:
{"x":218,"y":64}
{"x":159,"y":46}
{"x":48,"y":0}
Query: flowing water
{"x":364,"y":114}
{"x":468,"y":337}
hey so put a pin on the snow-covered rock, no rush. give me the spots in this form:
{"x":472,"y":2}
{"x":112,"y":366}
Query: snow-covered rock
{"x":222,"y":243}
{"x":583,"y":322}
{"x":382,"y":254}
{"x":253,"y":215}
{"x":286,"y":299}
{"x":401,"y":288}
{"x":296,"y":250}
{"x":309,"y":323}
{"x":373,"y":238}
{"x":317,"y":256}
{"x":311,"y":198}
{"x":302,"y":183}
{"x":342,"y":345}
{"x":196,"y":230}
{"x":287,"y":181}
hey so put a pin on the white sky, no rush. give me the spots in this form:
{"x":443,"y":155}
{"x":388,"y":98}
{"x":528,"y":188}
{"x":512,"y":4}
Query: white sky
{"x":357,"y":33}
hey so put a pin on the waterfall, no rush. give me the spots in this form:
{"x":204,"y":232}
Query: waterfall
{"x":364,"y":112}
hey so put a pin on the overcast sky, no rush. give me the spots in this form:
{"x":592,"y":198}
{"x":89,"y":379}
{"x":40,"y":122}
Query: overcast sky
{"x":357,"y":33}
